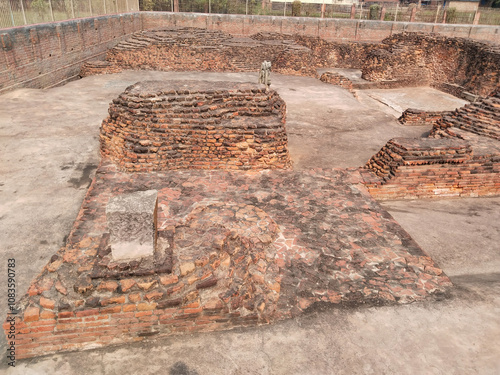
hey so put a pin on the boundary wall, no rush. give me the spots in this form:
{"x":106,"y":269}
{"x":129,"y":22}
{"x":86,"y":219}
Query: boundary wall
{"x":332,"y":29}
{"x":46,"y":55}
{"x":50,"y":54}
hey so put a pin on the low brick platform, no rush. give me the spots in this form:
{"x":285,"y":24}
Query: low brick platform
{"x":481,"y":118}
{"x":418,"y":117}
{"x":157,"y":125}
{"x":461,"y":158}
{"x":245,"y":248}
{"x":337,"y":79}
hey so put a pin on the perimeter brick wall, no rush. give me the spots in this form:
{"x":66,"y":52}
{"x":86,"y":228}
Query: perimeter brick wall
{"x":44,"y":55}
{"x":341,"y":30}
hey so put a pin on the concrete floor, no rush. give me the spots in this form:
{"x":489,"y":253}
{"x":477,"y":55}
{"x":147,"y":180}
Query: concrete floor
{"x":49,"y":143}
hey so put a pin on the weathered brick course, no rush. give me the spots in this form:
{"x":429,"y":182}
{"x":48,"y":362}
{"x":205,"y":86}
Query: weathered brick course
{"x":156,"y":126}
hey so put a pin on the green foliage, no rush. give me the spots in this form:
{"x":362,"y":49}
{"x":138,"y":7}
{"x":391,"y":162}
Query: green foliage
{"x":39,"y":6}
{"x":451,"y":15}
{"x":310,"y":10}
{"x":296,"y":8}
{"x":374,"y":12}
{"x":155,"y":5}
{"x":148,"y":5}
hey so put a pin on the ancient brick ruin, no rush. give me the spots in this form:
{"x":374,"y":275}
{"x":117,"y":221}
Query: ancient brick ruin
{"x":453,"y":65}
{"x":337,"y":79}
{"x":461,"y":157}
{"x":188,"y":49}
{"x":418,"y":117}
{"x":239,"y":248}
{"x":157,"y":125}
{"x":458,"y":66}
{"x":234,"y":249}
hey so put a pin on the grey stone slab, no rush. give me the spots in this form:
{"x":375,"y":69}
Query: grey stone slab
{"x":131,"y":221}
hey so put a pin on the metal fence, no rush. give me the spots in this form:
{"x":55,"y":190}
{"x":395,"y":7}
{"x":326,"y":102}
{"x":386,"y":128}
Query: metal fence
{"x":27,"y":12}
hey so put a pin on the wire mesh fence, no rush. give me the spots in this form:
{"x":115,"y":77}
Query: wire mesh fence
{"x":27,"y":12}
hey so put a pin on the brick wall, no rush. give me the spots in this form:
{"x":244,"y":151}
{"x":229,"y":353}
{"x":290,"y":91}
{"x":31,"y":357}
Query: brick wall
{"x":156,"y":126}
{"x":340,"y":30}
{"x":481,"y":118}
{"x":44,"y":55}
{"x":462,"y":67}
{"x":188,"y":49}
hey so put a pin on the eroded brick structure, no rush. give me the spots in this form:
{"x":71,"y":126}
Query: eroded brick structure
{"x":244,"y":248}
{"x":234,"y":249}
{"x":418,"y":117}
{"x":159,"y":125}
{"x":462,"y":158}
{"x":453,"y":65}
{"x":458,"y":66}
{"x":186,"y":49}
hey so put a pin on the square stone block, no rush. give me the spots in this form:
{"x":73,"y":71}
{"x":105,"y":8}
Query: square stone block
{"x":131,"y":222}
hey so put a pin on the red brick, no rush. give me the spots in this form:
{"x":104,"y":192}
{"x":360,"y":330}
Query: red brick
{"x":47,"y":314}
{"x":168,"y":279}
{"x":146,"y":306}
{"x":127,"y":284}
{"x":87,"y":312}
{"x":110,"y":286}
{"x":152,"y":296}
{"x":112,"y":300}
{"x":134,"y":297}
{"x":47,"y":303}
{"x":31,"y":314}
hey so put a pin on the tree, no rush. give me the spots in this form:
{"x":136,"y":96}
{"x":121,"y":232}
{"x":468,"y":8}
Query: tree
{"x":296,"y":5}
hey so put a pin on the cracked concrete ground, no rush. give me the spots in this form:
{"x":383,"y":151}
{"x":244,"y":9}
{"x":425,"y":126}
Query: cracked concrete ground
{"x":49,"y":143}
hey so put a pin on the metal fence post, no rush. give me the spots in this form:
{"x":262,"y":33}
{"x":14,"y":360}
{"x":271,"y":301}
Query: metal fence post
{"x":412,"y":14}
{"x":90,"y":7}
{"x":51,"y":11}
{"x":11,"y":15}
{"x":24,"y":14}
{"x":437,"y":13}
{"x":72,"y":9}
{"x":477,"y":15}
